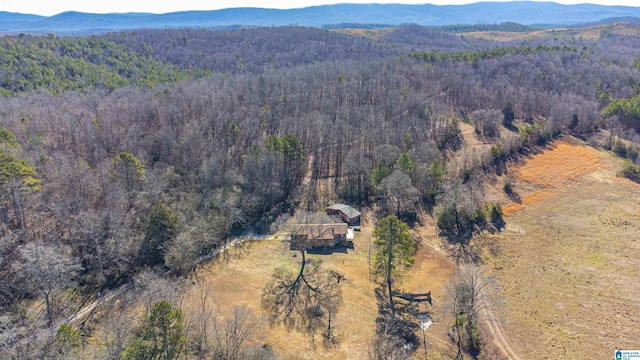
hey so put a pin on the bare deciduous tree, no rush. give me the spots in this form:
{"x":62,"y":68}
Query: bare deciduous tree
{"x":470,"y":292}
{"x":48,"y":269}
{"x":232,"y":334}
{"x":181,"y":255}
{"x":153,"y":287}
{"x":399,"y":190}
{"x":386,"y":346}
{"x":307,"y":300}
{"x":215,"y":335}
{"x":116,"y":329}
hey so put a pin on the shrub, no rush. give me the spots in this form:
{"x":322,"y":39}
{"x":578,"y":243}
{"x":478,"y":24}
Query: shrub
{"x":67,"y":339}
{"x":619,"y":148}
{"x":494,"y":213}
{"x":632,"y":152}
{"x":497,"y":153}
{"x":630,"y":171}
{"x":508,"y":186}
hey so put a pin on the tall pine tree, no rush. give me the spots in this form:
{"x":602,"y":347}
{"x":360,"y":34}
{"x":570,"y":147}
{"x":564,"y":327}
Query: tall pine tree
{"x":395,"y":247}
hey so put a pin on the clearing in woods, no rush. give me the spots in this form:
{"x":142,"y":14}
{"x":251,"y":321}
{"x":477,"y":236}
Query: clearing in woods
{"x":569,"y":260}
{"x":240,"y":281}
{"x":567,"y":264}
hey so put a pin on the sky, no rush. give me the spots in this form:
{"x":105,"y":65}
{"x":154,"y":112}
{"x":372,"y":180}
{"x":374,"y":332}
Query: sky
{"x":52,"y":7}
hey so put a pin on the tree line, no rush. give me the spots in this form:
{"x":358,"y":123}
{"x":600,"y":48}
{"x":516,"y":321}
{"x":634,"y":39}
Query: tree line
{"x":508,"y":26}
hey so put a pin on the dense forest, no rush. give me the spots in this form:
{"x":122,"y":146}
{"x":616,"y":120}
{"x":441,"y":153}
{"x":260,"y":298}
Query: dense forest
{"x":506,"y":26}
{"x":62,"y":64}
{"x":150,"y":148}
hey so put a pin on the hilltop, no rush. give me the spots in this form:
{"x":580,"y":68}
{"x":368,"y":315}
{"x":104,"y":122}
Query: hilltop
{"x":524,"y":12}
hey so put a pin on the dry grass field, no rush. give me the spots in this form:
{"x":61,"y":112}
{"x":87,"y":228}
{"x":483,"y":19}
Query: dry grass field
{"x":587,"y":33}
{"x":367,"y":33}
{"x":241,"y":282}
{"x":567,"y":264}
{"x":561,"y":164}
{"x":569,"y":259}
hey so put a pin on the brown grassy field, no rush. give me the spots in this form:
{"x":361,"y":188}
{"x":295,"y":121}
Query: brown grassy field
{"x":590,"y":33}
{"x":587,"y":33}
{"x":561,"y":164}
{"x":367,"y":33}
{"x":567,"y":264}
{"x":569,"y":259}
{"x":241,"y":282}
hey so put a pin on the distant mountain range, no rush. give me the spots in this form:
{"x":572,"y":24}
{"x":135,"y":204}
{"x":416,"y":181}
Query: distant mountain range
{"x":523,"y":12}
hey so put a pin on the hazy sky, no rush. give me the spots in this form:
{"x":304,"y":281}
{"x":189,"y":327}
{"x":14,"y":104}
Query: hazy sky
{"x":52,"y":7}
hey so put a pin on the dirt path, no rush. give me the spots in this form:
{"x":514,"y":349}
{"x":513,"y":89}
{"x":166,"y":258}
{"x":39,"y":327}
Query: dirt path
{"x":84,"y":313}
{"x":494,"y":327}
{"x":500,"y":340}
{"x":568,"y":260}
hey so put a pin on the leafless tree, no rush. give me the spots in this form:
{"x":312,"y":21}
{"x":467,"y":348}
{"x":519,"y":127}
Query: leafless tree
{"x":459,"y":218}
{"x":309,"y":299}
{"x":116,"y":328}
{"x":200,"y":315}
{"x":232,"y":334}
{"x":469,"y":294}
{"x":48,"y":269}
{"x":487,"y":122}
{"x":386,"y":346}
{"x":399,"y":191}
{"x":152,"y":287}
{"x":225,"y":336}
{"x":181,"y":255}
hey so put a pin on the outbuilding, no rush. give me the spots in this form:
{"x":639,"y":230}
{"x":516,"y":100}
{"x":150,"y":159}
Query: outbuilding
{"x":347,"y":213}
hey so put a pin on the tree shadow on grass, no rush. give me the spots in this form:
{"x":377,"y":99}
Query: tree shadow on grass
{"x":403,"y":325}
{"x":512,"y":194}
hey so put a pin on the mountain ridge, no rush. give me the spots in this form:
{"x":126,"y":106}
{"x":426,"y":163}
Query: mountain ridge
{"x":523,"y":12}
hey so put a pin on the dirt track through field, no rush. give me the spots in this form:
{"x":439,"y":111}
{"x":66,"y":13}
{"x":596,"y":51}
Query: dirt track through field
{"x":493,"y":325}
{"x":500,"y":340}
{"x":569,"y":259}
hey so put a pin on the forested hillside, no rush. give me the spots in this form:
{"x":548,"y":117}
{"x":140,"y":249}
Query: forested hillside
{"x":63,"y":64}
{"x":248,"y":50}
{"x":150,"y":148}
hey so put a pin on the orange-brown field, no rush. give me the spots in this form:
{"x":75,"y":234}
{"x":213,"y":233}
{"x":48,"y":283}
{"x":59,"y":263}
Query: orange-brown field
{"x":569,"y":259}
{"x":561,"y":164}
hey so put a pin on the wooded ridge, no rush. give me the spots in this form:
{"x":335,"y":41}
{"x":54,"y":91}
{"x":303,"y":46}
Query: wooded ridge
{"x":523,"y":12}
